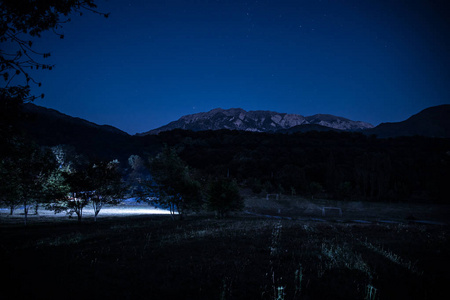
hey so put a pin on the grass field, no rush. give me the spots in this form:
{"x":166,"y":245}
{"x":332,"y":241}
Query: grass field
{"x":303,"y":256}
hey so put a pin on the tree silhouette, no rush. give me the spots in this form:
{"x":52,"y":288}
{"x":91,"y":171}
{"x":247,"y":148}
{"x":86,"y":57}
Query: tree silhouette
{"x":107,"y":185}
{"x":175,"y":188}
{"x":25,"y":171}
{"x":22,"y":20}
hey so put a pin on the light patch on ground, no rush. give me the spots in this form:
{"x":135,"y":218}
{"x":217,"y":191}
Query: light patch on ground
{"x":121,"y":210}
{"x":131,"y":211}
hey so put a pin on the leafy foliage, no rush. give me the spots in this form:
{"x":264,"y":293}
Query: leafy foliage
{"x":55,"y":187}
{"x":106,"y":181}
{"x":175,"y":188}
{"x":21,"y":20}
{"x":80,"y":188}
{"x":97,"y":183}
{"x":26,"y":173}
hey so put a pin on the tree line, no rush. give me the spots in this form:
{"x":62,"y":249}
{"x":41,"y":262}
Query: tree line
{"x":55,"y":178}
{"x":181,"y":189}
{"x":334,"y":165}
{"x":198,"y":171}
{"x":58,"y":179}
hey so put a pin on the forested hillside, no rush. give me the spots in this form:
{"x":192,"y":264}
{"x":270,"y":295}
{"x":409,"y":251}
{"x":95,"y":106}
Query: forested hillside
{"x":327,"y":164}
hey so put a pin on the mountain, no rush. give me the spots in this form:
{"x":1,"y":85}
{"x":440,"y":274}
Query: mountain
{"x":36,"y":112}
{"x":431,"y":122}
{"x":50,"y":128}
{"x":259,"y":121}
{"x":337,"y":122}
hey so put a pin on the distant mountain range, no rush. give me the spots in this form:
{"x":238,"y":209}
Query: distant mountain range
{"x":259,"y":121}
{"x":50,"y":127}
{"x":431,"y":122}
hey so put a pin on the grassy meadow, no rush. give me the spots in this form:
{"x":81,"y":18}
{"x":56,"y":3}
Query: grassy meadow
{"x":372,"y":251}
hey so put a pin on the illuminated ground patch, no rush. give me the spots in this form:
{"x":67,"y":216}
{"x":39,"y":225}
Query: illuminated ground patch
{"x":129,"y":210}
{"x":88,"y":211}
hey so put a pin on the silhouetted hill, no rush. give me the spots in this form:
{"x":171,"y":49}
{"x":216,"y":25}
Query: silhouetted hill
{"x":430,"y":122}
{"x":49,"y":127}
{"x":41,"y":113}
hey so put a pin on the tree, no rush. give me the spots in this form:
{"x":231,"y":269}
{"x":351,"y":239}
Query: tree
{"x":172,"y":183}
{"x":80,"y":192}
{"x":23,"y":20}
{"x":80,"y":183}
{"x":67,"y":186}
{"x":70,"y":185}
{"x":20,"y":22}
{"x":223,"y":196}
{"x":24,"y":171}
{"x":9,"y":193}
{"x":107,"y":185}
{"x":55,"y":187}
{"x":373,"y":175}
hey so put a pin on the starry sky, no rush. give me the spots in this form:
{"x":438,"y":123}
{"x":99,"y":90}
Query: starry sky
{"x":152,"y":62}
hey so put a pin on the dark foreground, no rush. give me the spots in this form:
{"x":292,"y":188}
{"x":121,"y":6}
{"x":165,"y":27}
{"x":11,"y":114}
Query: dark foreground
{"x":244,"y":257}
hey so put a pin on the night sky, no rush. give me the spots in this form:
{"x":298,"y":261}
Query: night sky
{"x":151,"y":62}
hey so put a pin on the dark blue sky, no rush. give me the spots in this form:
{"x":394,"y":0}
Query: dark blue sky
{"x":151,"y":62}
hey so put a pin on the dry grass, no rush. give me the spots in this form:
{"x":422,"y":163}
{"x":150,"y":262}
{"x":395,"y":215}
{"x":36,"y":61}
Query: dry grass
{"x":296,"y":206}
{"x":242,"y":257}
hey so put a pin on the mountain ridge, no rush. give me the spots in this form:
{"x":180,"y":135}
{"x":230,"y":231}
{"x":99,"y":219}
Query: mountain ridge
{"x":34,"y":110}
{"x":49,"y":127}
{"x":257,"y":120}
{"x":52,"y":127}
{"x":433,"y":121}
